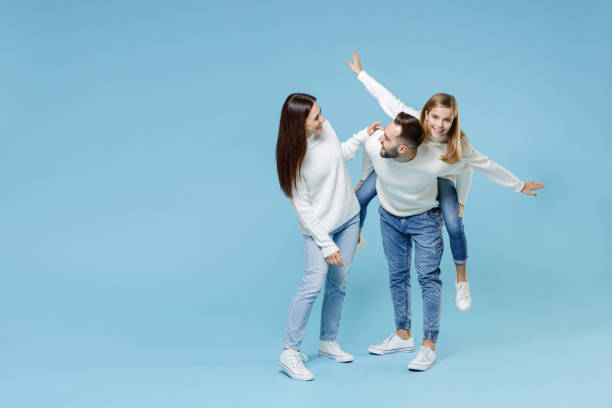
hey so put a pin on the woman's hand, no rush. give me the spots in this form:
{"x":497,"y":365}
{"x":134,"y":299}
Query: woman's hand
{"x":356,"y":65}
{"x":335,"y":259}
{"x":374,"y":127}
{"x":530,"y":186}
{"x":460,"y":210}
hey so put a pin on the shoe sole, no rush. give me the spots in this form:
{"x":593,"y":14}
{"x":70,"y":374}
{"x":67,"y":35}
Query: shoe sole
{"x":379,"y":352}
{"x":324,"y":354}
{"x":412,"y":367}
{"x":287,"y":371}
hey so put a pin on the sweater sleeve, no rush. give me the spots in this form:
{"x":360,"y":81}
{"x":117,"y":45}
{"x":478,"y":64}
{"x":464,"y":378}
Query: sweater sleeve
{"x":488,"y":168}
{"x":464,"y":181}
{"x":387,"y":101}
{"x":350,"y":148}
{"x":366,"y":166}
{"x":309,"y":219}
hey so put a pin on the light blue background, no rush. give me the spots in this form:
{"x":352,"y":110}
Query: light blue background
{"x":149,"y":258}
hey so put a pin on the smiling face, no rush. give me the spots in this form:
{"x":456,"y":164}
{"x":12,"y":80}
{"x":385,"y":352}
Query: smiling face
{"x":389,"y":141}
{"x":314,"y":121}
{"x":439,"y":120}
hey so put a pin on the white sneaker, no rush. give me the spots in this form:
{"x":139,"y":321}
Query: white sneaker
{"x":392,"y":344}
{"x":361,"y":244}
{"x":290,"y":362}
{"x":331,"y":349}
{"x":423,"y":360}
{"x":463,"y":299}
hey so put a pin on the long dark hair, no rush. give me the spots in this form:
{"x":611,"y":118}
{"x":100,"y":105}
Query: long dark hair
{"x":291,"y":143}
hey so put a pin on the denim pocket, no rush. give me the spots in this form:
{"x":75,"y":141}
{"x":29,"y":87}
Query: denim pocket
{"x":435,"y":214}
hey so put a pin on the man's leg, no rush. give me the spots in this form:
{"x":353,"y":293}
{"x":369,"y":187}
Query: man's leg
{"x":428,"y":246}
{"x":397,"y":246}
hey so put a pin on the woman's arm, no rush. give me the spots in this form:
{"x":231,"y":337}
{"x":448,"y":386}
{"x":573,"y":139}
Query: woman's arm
{"x":350,"y":148}
{"x":309,"y":219}
{"x":387,"y":101}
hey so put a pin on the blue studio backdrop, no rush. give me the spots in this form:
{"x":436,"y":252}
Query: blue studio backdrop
{"x":148,"y":256}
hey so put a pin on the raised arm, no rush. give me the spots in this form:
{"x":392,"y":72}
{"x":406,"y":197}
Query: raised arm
{"x":387,"y":101}
{"x":350,"y":148}
{"x":495,"y":172}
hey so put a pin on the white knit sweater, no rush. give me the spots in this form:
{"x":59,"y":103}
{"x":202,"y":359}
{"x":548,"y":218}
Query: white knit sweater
{"x":470,"y":156}
{"x":323,"y":198}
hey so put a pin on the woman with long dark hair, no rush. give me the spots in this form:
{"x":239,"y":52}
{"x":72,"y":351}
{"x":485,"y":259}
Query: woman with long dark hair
{"x":312,"y":173}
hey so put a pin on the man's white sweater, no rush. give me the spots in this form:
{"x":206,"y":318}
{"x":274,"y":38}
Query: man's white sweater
{"x":469,"y":156}
{"x":323,"y":197}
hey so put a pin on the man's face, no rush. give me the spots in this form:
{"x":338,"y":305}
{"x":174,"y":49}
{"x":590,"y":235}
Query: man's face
{"x":389,"y":141}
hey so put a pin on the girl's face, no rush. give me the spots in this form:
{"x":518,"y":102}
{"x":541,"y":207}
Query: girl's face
{"x":314,"y":121}
{"x":439,"y":120}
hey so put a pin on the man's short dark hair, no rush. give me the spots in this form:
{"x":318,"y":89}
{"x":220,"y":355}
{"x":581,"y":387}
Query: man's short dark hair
{"x":412,"y":131}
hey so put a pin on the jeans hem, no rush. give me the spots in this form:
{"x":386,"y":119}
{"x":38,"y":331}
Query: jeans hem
{"x":431,"y":335}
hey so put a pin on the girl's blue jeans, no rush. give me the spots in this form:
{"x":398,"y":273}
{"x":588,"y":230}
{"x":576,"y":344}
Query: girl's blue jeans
{"x":449,"y":204}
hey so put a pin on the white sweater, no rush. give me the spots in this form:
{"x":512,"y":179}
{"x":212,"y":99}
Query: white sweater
{"x":407,"y":188}
{"x":323,"y":197}
{"x":470,"y":156}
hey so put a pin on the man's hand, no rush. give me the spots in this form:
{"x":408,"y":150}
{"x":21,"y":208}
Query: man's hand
{"x":335,"y":259}
{"x":356,"y":65}
{"x":530,"y":186}
{"x":374,"y":127}
{"x":358,"y":185}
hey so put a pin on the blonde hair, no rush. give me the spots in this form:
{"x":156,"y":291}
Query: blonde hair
{"x":455,"y":134}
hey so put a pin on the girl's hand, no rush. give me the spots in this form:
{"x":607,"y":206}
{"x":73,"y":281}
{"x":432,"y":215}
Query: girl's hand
{"x":530,"y":186}
{"x":460,"y":210}
{"x":356,"y":65}
{"x":374,"y":127}
{"x":335,"y":259}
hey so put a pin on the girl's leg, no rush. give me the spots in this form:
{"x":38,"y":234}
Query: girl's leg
{"x":365,"y":193}
{"x":447,"y":196}
{"x":315,"y":271}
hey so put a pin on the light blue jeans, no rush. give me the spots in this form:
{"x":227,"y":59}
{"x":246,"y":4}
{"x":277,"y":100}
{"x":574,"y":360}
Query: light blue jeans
{"x":398,"y":235}
{"x":449,"y":204}
{"x":317,"y":272}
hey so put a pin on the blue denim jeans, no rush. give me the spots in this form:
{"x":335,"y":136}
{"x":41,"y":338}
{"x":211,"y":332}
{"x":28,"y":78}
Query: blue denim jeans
{"x":447,"y":197}
{"x":398,"y":235}
{"x":317,"y":272}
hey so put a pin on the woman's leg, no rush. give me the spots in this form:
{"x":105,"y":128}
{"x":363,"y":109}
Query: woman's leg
{"x":346,"y":239}
{"x":447,"y":196}
{"x":315,"y":271}
{"x":365,"y":193}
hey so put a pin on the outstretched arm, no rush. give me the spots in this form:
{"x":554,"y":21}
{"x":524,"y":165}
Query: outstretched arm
{"x":495,"y":172}
{"x":387,"y":101}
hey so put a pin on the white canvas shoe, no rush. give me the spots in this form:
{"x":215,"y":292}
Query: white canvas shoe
{"x":331,"y":349}
{"x":463,"y":300}
{"x":392,"y":344}
{"x":423,"y":360}
{"x":290,"y":362}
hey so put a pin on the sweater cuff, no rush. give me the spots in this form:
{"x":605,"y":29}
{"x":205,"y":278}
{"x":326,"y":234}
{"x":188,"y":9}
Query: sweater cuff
{"x":362,"y":135}
{"x":328,"y":250}
{"x":520,"y":187}
{"x":362,"y":76}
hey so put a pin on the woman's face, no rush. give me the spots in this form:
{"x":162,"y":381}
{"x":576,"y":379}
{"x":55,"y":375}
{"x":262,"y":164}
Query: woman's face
{"x":314,"y":121}
{"x":439,"y":120}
